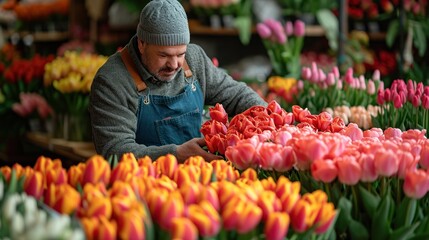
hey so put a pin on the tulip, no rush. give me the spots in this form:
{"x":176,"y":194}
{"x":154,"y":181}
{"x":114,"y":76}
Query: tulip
{"x":166,"y":165}
{"x":55,"y":176}
{"x":155,"y":200}
{"x":75,"y":174}
{"x":131,"y":225}
{"x":303,"y":215}
{"x":349,"y":170}
{"x":145,"y":163}
{"x":250,"y":174}
{"x":206,"y":218}
{"x":243,"y":155}
{"x":424,"y":155}
{"x":299,"y":28}
{"x":386,"y":163}
{"x":218,"y":113}
{"x":172,"y":207}
{"x":263,"y":30}
{"x":325,"y":217}
{"x":97,"y":207}
{"x":324,"y":170}
{"x":369,"y":173}
{"x":90,"y":226}
{"x":63,"y":198}
{"x":97,"y":170}
{"x":241,"y":215}
{"x":277,"y":30}
{"x":106,"y":229}
{"x":416,"y":183}
{"x":269,"y":203}
{"x":289,"y":28}
{"x":183,"y":228}
{"x":190,"y":192}
{"x":34,"y":185}
{"x":277,"y":226}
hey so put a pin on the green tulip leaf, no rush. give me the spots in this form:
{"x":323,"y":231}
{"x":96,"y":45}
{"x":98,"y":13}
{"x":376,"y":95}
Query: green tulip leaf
{"x":392,"y":31}
{"x":370,"y":201}
{"x":423,"y":236}
{"x":344,"y":218}
{"x":420,"y":38}
{"x":358,"y":230}
{"x":405,"y":232}
{"x":380,"y":228}
{"x":424,"y":226}
{"x":406,"y":212}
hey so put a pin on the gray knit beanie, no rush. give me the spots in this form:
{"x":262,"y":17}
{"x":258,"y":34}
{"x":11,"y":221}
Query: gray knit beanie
{"x":163,"y":22}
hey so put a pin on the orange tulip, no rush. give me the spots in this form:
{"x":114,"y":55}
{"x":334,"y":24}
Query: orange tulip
{"x":208,"y":193}
{"x":94,"y":190}
{"x":107,"y":229}
{"x":276,"y":225}
{"x":56,"y":176}
{"x":250,"y":173}
{"x":224,"y":170}
{"x":269,"y":184}
{"x":269,"y":203}
{"x":97,"y":207}
{"x":226,"y":192}
{"x":166,"y":183}
{"x":183,"y":228}
{"x":206,"y":173}
{"x":173,"y":207}
{"x":286,"y":187}
{"x":303,"y":215}
{"x":241,"y":215}
{"x":195,"y":161}
{"x":166,"y":165}
{"x":75,"y":174}
{"x":122,"y":189}
{"x":147,"y":167}
{"x":206,"y":218}
{"x":6,"y":172}
{"x":124,"y":171}
{"x":325,"y":217}
{"x":34,"y":185}
{"x":131,"y":226}
{"x":89,"y":226}
{"x":63,"y":198}
{"x":155,"y":200}
{"x":190,"y":192}
{"x":186,"y":174}
{"x":121,"y":204}
{"x":97,"y":170}
{"x":43,"y":163}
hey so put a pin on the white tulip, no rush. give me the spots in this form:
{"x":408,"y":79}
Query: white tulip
{"x":17,"y":225}
{"x":9,"y":206}
{"x":1,"y":189}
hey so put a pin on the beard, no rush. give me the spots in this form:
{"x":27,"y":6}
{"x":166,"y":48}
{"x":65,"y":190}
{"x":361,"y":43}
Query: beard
{"x":165,"y":74}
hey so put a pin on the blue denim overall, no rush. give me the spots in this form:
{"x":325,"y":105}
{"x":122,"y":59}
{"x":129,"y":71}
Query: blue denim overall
{"x":168,"y":119}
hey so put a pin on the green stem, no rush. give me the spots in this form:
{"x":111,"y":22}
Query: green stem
{"x":355,"y":202}
{"x":328,"y":191}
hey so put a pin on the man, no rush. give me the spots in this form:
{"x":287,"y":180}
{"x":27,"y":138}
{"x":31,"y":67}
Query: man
{"x":148,"y":98}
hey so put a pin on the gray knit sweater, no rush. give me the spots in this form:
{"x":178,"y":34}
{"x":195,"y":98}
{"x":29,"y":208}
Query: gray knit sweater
{"x":114,"y":100}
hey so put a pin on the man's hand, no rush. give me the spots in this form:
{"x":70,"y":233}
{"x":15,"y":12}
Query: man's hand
{"x":192,"y":148}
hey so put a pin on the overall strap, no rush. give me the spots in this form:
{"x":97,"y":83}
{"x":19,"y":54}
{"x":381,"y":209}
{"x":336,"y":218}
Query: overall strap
{"x":131,"y":67}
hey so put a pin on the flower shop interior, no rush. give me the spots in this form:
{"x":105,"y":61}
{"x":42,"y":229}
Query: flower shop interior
{"x":340,"y":152}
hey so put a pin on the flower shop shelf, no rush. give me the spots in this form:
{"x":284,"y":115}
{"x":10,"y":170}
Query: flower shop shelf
{"x":197,"y":28}
{"x":51,"y":36}
{"x":74,"y":151}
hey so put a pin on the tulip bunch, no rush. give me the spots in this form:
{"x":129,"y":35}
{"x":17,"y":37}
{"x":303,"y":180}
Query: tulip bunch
{"x":366,"y":173}
{"x":404,"y":105}
{"x":285,"y":88}
{"x":356,"y":114}
{"x":23,"y":217}
{"x":320,"y":89}
{"x":144,"y":199}
{"x":40,"y":10}
{"x":283,"y":43}
{"x":220,"y":7}
{"x":67,"y":80}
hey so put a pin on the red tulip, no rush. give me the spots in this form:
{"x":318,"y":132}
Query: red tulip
{"x":218,"y":113}
{"x":276,"y":225}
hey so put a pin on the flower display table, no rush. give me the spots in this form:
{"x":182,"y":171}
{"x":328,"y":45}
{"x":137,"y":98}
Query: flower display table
{"x":74,"y":151}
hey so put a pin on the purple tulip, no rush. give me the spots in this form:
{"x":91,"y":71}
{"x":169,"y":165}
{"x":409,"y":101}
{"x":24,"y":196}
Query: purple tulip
{"x":277,"y":30}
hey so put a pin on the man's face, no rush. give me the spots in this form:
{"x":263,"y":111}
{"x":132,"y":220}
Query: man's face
{"x":162,"y":61}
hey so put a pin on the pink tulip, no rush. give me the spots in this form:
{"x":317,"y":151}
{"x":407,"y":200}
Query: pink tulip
{"x":263,"y":30}
{"x":406,"y":163}
{"x":424,"y":155}
{"x":369,"y":173}
{"x":282,"y":137}
{"x":391,"y":133}
{"x":425,"y":101}
{"x":277,"y":30}
{"x":349,"y":170}
{"x":306,"y":73}
{"x":371,"y":87}
{"x":299,"y":28}
{"x":289,"y":28}
{"x":353,"y":132}
{"x":376,"y":75}
{"x":243,"y":155}
{"x":397,"y":100}
{"x":386,"y":163}
{"x":416,"y":183}
{"x":324,"y":170}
